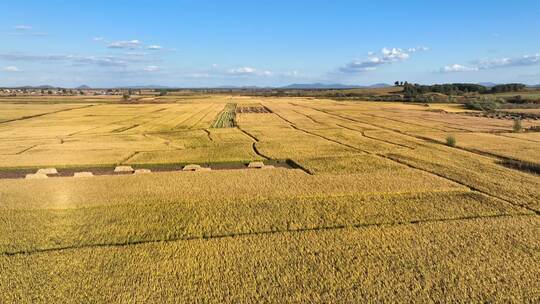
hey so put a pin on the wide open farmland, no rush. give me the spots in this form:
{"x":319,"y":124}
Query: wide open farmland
{"x":355,"y":201}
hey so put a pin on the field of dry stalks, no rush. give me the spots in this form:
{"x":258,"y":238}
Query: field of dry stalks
{"x":373,"y":205}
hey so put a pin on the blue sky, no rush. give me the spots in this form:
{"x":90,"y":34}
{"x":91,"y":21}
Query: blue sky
{"x":214,"y":43}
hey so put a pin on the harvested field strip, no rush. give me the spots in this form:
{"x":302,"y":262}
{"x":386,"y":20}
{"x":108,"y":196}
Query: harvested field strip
{"x":435,"y":172}
{"x":31,"y":231}
{"x":215,"y":185}
{"x":428,"y":139}
{"x":483,"y":178}
{"x":226,"y":119}
{"x":252,"y":109}
{"x":522,"y":166}
{"x":352,"y":263}
{"x":108,"y":170}
{"x":43,"y":114}
{"x":375,"y":138}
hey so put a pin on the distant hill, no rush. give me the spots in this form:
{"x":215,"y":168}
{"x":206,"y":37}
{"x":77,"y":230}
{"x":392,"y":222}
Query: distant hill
{"x":379,"y":85}
{"x":83,"y":87}
{"x":487,"y":84}
{"x":144,"y":87}
{"x":42,"y":87}
{"x":332,"y":86}
{"x":241,"y":87}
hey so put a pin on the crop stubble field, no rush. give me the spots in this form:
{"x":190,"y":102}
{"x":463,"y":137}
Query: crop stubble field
{"x":376,"y":207}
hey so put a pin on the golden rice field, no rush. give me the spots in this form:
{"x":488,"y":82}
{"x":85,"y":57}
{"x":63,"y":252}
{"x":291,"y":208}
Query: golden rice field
{"x":373,"y":206}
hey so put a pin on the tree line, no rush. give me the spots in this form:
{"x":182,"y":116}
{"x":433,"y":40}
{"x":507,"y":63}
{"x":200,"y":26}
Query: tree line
{"x":412,"y":90}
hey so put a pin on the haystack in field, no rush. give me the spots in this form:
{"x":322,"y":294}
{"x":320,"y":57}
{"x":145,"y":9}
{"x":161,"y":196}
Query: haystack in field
{"x":256,"y":165}
{"x":142,"y":171}
{"x":83,"y":174}
{"x":123,"y":169}
{"x":47,"y":171}
{"x":36,"y":176}
{"x":203,"y":169}
{"x":191,"y":167}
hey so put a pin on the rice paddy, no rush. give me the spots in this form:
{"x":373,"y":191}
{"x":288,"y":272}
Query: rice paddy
{"x":364,"y":202}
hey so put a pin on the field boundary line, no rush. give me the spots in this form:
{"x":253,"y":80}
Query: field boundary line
{"x":43,"y":114}
{"x":490,"y":155}
{"x":473,"y":188}
{"x":264,"y":232}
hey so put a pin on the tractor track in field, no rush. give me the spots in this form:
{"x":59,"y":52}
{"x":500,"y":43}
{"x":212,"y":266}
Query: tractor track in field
{"x":43,"y":114}
{"x":198,"y":121}
{"x":494,"y":156}
{"x":26,"y":149}
{"x":130,"y":156}
{"x":294,"y":126}
{"x":208,"y":134}
{"x":218,"y":236}
{"x":177,"y":127}
{"x":363,"y":132}
{"x":254,"y":145}
{"x":468,"y":186}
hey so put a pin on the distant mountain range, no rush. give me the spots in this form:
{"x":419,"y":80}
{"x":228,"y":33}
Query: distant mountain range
{"x":332,"y":86}
{"x":40,"y":87}
{"x":145,"y":87}
{"x":487,"y":84}
{"x":305,"y":86}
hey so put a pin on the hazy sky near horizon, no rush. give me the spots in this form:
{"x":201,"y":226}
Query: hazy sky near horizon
{"x":267,"y":43}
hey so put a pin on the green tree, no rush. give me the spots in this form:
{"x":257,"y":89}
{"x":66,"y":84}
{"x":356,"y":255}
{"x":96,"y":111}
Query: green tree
{"x":451,"y":141}
{"x":517,"y":125}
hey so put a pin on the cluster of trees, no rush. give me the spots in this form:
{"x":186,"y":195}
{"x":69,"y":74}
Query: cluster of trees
{"x":482,"y":105}
{"x":413,"y":90}
{"x":510,"y":87}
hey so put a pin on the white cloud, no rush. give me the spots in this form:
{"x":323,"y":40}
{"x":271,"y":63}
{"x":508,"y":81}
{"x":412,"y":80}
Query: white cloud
{"x":242,"y":71}
{"x":22,"y":27}
{"x":136,"y":54}
{"x":11,"y":69}
{"x":201,"y":75}
{"x":525,"y":60}
{"x":154,"y":47}
{"x":246,"y":71}
{"x":418,"y":49}
{"x":98,"y":38}
{"x":489,"y":64}
{"x":25,"y":31}
{"x":151,"y":68}
{"x":293,"y":73}
{"x":73,"y":59}
{"x":386,"y":56}
{"x":125,"y":44}
{"x":458,"y":68}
